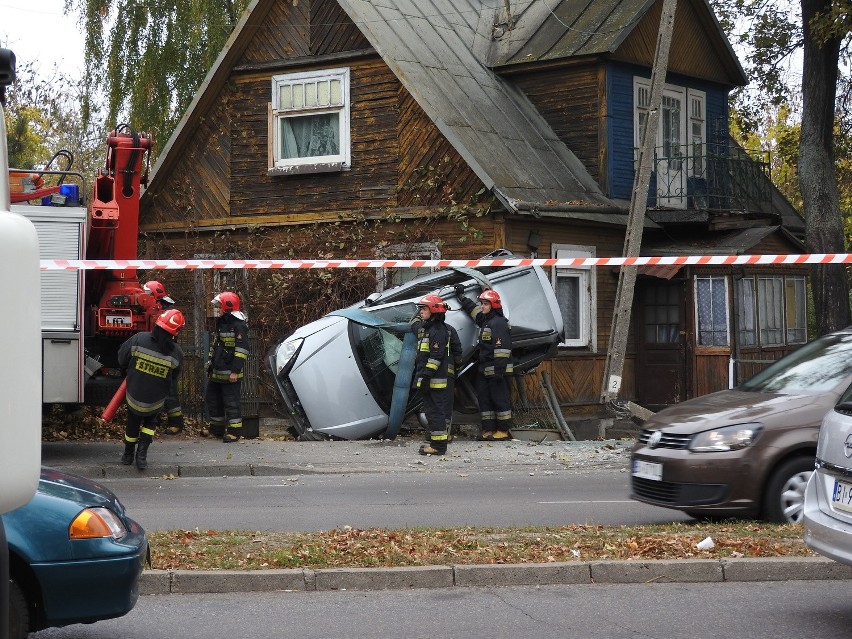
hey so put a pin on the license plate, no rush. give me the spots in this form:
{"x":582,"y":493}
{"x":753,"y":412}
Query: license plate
{"x":118,"y":320}
{"x":841,"y":497}
{"x":650,"y":470}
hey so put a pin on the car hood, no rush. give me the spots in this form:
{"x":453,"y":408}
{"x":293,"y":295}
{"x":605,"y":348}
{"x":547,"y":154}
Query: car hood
{"x":729,"y":407}
{"x":74,"y":488}
{"x":60,"y":497}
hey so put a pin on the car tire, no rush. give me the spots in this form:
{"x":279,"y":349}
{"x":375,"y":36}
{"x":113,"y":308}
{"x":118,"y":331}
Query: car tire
{"x":19,"y":612}
{"x":783,"y":501}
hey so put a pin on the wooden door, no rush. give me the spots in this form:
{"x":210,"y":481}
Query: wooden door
{"x":660,"y":345}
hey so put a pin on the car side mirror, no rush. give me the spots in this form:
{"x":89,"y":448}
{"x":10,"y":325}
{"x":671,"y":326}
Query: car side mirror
{"x":371,"y":299}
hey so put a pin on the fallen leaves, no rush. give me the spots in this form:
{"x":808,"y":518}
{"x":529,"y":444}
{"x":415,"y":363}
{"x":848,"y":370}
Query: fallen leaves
{"x":377,"y":547}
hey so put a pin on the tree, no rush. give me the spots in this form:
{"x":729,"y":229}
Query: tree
{"x":43,"y":117}
{"x":823,"y":38}
{"x":773,"y":32}
{"x":148,"y":57}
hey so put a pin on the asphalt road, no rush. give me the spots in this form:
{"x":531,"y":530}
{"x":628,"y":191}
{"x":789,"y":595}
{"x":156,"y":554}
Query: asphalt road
{"x":506,"y":497}
{"x":780,"y":610}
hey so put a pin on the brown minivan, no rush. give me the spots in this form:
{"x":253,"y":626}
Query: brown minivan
{"x":748,"y":451}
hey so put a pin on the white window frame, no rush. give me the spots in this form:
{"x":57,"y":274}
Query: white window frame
{"x":317,"y":164}
{"x":587,"y":291}
{"x":389,"y":277}
{"x":698,"y":331}
{"x":693,"y":112}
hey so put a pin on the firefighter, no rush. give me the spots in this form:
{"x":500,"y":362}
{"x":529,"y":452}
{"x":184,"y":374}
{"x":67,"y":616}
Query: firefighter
{"x":229,"y":351}
{"x":174,"y":411}
{"x":495,"y":363}
{"x":158,"y":291}
{"x":438,"y":355}
{"x":153,"y":361}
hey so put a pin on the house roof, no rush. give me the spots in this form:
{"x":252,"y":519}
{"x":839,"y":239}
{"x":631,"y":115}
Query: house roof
{"x":430,"y":45}
{"x":738,"y":242}
{"x":559,"y":29}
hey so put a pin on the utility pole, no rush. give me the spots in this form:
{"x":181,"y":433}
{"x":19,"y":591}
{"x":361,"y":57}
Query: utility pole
{"x":638,"y":203}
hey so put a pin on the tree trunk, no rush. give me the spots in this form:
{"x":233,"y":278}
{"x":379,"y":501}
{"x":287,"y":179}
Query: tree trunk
{"x":817,"y":175}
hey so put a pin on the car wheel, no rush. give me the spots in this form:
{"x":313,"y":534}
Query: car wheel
{"x":19,"y":612}
{"x":784,"y":499}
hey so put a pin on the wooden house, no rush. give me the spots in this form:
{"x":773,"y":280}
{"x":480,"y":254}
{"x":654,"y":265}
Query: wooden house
{"x":450,"y":128}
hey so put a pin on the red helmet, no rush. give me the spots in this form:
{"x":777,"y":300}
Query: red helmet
{"x":171,"y":321}
{"x":227,"y":301}
{"x":434,"y":303}
{"x":156,"y":289}
{"x":492,"y":296}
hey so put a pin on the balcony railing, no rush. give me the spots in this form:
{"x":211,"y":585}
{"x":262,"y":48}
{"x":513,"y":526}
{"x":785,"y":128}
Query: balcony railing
{"x":710,"y":178}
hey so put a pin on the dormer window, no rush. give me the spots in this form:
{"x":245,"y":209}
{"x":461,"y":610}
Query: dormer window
{"x":309,"y":123}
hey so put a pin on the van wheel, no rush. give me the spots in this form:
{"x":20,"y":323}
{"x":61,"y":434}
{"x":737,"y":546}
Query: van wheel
{"x":784,"y":499}
{"x":19,"y":612}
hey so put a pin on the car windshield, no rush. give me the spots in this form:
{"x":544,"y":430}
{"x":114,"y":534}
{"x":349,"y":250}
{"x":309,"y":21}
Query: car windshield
{"x":817,"y":367}
{"x":378,"y":350}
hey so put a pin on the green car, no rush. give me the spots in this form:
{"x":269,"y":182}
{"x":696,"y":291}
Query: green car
{"x":74,"y":555}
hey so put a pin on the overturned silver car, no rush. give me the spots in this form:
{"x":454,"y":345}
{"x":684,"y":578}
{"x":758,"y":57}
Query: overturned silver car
{"x":340,"y":375}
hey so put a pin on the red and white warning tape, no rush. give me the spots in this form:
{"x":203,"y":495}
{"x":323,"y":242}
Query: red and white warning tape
{"x":682,"y":260}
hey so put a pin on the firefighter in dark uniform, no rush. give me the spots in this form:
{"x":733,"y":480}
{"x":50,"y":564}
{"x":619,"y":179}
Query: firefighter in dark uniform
{"x":153,"y":361}
{"x":174,"y":411}
{"x":229,"y":351}
{"x":495,"y":363}
{"x":438,"y":355}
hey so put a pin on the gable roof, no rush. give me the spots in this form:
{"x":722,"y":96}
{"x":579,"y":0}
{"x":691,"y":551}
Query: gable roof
{"x":540,"y":31}
{"x":491,"y":123}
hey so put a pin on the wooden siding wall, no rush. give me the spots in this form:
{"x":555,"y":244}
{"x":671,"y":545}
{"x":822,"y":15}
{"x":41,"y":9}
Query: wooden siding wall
{"x":371,"y":182}
{"x":198,"y":188}
{"x":282,"y":34}
{"x":577,"y":373}
{"x":428,"y":160}
{"x":571,"y":100}
{"x":332,"y":30}
{"x":692,"y":52}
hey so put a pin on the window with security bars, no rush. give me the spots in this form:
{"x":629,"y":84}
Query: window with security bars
{"x":711,"y":310}
{"x":309,"y":124}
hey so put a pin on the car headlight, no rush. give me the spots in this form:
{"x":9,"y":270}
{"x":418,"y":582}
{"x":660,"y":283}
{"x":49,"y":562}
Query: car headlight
{"x":285,"y":353}
{"x":725,"y":439}
{"x":93,"y":523}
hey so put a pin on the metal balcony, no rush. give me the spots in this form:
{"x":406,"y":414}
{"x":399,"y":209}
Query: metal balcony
{"x":710,"y":178}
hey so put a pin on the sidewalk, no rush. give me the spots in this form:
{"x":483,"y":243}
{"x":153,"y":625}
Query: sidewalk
{"x":199,"y":457}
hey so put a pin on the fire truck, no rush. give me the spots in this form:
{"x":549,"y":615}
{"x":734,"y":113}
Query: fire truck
{"x":87,"y":314}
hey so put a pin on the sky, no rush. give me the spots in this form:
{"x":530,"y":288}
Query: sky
{"x":37,"y":31}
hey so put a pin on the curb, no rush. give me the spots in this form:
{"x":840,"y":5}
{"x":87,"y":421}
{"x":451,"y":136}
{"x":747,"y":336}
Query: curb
{"x":164,"y":582}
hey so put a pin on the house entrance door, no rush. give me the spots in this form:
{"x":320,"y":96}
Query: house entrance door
{"x":660,"y":353}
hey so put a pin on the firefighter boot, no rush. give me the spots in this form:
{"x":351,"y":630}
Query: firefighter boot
{"x":434,"y":447}
{"x":129,"y":449}
{"x":142,"y":454}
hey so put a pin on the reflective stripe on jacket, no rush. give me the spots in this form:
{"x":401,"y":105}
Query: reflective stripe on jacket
{"x":495,"y":340}
{"x":151,"y":371}
{"x":438,"y":353}
{"x":229,"y":348}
